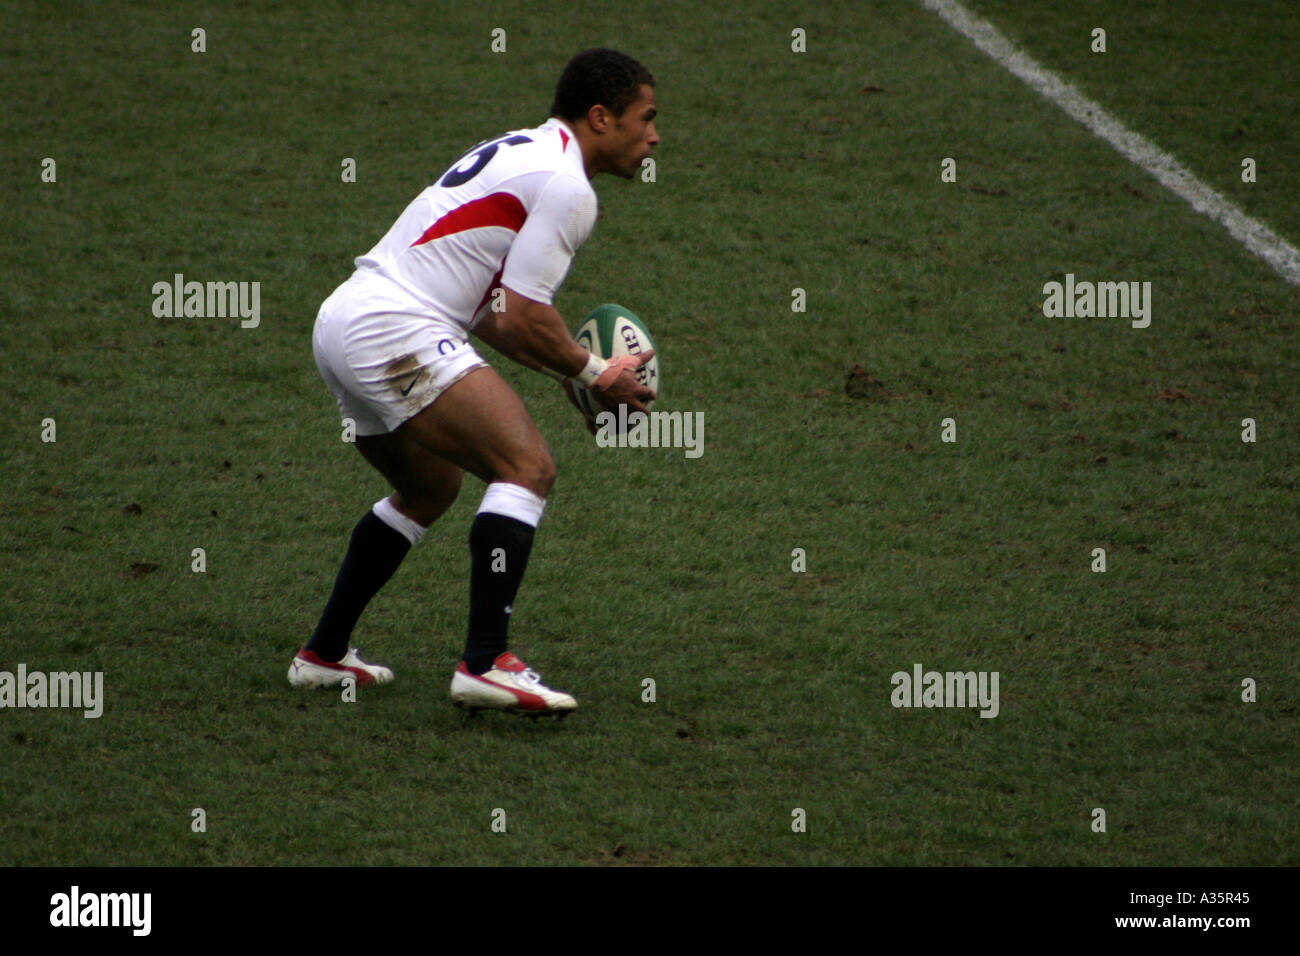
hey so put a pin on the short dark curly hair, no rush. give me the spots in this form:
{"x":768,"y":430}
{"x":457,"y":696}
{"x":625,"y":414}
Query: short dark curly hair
{"x":602,"y":76}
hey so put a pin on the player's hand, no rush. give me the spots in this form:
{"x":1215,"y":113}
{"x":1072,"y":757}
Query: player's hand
{"x":617,"y":385}
{"x":568,"y":390}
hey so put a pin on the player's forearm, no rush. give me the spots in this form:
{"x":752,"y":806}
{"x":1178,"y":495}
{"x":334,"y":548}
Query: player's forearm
{"x":534,"y":335}
{"x":493,"y":330}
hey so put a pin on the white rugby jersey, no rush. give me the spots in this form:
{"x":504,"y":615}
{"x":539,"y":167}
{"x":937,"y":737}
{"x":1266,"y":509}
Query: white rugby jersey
{"x":511,"y":211}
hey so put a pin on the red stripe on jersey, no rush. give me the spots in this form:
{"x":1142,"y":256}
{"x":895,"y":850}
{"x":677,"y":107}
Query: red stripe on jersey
{"x":498,"y":209}
{"x":564,"y":138}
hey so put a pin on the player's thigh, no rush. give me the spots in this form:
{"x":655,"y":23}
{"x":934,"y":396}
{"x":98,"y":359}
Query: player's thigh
{"x":482,"y":425}
{"x":422,"y":380}
{"x":426,"y":484}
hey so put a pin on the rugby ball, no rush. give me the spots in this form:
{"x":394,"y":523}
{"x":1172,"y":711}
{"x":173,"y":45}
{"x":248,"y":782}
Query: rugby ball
{"x":610,"y":331}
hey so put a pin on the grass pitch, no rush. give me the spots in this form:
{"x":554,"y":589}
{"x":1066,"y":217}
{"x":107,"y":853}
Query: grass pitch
{"x":778,"y":171}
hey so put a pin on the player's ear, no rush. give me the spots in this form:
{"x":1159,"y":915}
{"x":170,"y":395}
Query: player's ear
{"x":598,"y":118}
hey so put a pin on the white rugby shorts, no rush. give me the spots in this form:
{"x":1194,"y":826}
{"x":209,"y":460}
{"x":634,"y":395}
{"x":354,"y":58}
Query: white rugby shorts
{"x":385,"y":367}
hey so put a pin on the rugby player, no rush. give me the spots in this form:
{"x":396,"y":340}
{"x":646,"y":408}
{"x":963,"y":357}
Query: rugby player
{"x":392,"y":343}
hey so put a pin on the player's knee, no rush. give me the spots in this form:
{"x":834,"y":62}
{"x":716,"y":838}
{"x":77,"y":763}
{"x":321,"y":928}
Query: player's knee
{"x":548,"y":475}
{"x":535,"y":471}
{"x":542,"y":474}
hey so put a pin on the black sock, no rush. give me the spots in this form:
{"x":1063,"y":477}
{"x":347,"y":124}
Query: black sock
{"x":494,"y":577}
{"x":373,"y":555}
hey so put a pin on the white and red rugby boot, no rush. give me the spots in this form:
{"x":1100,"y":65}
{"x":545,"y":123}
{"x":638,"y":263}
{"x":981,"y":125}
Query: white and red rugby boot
{"x":510,"y":686}
{"x":308,"y":670}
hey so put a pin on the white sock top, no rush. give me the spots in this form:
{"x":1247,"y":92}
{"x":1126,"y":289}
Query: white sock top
{"x":513,"y":501}
{"x":403,"y":525}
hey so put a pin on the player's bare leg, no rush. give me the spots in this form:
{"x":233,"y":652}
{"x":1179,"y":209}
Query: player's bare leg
{"x":424,"y":485}
{"x":480,"y":425}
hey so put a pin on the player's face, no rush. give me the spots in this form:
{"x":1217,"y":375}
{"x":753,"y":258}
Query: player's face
{"x":634,"y":134}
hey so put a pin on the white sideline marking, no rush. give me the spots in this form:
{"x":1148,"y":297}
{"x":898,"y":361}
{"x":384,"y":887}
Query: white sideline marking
{"x":1253,"y":234}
